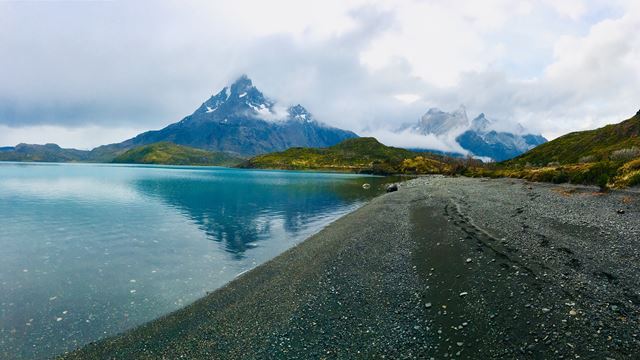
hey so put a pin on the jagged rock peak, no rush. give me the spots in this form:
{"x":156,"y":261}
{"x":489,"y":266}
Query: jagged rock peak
{"x":242,"y":84}
{"x":438,"y":122}
{"x":480,"y":123}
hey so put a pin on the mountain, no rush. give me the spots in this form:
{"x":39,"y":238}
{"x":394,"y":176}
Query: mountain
{"x":241,"y":120}
{"x":361,"y":155}
{"x":438,"y":122}
{"x":606,"y":143}
{"x":499,"y":146}
{"x":171,"y":154}
{"x":477,"y":136}
{"x":43,"y":153}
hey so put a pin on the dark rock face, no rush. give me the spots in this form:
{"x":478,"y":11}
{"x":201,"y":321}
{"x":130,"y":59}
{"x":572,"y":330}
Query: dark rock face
{"x":240,"y":119}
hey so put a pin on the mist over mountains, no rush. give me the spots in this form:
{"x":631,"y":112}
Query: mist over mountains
{"x":480,"y":137}
{"x":241,"y":120}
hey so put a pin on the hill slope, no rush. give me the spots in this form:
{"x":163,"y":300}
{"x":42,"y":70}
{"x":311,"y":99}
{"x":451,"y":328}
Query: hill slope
{"x":171,"y":154}
{"x":43,"y":153}
{"x":362,"y":155}
{"x":240,"y":119}
{"x":586,"y":146}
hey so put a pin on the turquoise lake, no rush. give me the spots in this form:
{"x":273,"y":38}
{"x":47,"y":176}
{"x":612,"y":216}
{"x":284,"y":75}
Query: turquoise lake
{"x":91,"y":250}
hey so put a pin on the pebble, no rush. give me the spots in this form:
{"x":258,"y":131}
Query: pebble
{"x":427,"y":305}
{"x":468,"y":260}
{"x":464,"y":293}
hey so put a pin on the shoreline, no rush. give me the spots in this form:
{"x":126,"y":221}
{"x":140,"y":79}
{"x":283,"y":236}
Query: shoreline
{"x":456,"y":266}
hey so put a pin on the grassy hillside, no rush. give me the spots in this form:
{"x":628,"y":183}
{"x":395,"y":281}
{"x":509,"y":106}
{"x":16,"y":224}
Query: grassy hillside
{"x":609,"y":156}
{"x":605,"y":144}
{"x":361,"y":155}
{"x":171,"y":154}
{"x":43,"y":153}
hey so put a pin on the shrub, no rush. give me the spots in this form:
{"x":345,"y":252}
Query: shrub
{"x":632,"y":165}
{"x":634,"y":179}
{"x":602,"y":181}
{"x":560,"y":177}
{"x":587,"y":159}
{"x":625,"y":154}
{"x":594,"y":174}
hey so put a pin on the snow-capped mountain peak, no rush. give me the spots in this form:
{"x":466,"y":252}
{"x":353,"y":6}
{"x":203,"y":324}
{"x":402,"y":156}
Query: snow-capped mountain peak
{"x":241,"y":97}
{"x":242,"y":100}
{"x":481,"y":123}
{"x":438,"y":122}
{"x":299,"y":113}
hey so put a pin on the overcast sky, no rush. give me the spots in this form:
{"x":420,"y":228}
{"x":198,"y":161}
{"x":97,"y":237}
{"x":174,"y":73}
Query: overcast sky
{"x":85,"y":73}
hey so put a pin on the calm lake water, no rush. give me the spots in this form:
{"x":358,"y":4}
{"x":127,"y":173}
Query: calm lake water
{"x":87,"y":251}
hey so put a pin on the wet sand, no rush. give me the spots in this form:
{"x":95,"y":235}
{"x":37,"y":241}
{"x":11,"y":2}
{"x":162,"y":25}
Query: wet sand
{"x":443,"y":268}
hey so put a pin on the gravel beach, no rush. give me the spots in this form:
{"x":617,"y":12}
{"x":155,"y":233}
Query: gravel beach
{"x":443,"y":268}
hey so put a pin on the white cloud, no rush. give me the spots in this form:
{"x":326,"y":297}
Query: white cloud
{"x":411,"y":140}
{"x":407,"y":98}
{"x":573,"y":9}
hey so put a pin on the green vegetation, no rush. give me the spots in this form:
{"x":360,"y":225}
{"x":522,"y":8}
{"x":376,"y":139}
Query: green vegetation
{"x":359,"y":155}
{"x":43,"y":153}
{"x":606,"y":157}
{"x":612,"y":142}
{"x":167,"y":153}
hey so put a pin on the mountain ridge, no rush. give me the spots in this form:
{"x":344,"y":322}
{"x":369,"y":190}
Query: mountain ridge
{"x":478,"y":136}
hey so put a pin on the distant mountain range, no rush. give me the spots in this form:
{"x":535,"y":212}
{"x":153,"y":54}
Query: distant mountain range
{"x":478,"y":136}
